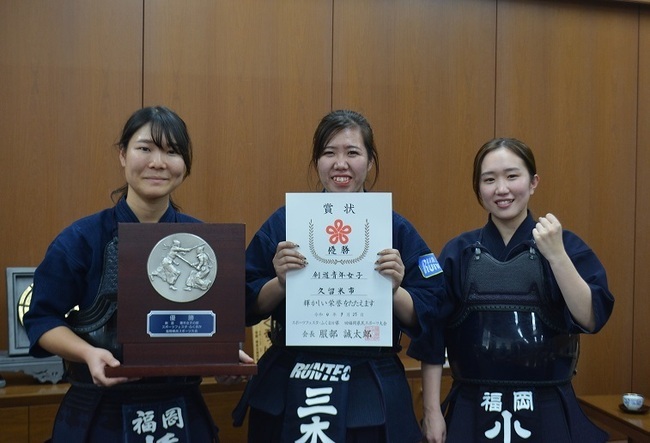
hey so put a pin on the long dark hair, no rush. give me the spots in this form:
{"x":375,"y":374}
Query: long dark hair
{"x":166,"y":128}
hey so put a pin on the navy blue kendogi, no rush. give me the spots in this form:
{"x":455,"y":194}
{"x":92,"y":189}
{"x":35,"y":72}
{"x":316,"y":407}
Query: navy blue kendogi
{"x":367,"y":394}
{"x":512,"y":343}
{"x":80,"y":268}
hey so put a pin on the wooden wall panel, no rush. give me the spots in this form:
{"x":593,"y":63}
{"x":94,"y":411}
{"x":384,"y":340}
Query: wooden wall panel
{"x":573,"y":100}
{"x":252,"y":80}
{"x":422,"y":72}
{"x":71,"y":75}
{"x":641,"y":356}
{"x":14,"y":423}
{"x":41,"y":422}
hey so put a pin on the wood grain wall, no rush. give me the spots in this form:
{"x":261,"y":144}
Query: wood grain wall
{"x":436,"y":79}
{"x":641,"y":295}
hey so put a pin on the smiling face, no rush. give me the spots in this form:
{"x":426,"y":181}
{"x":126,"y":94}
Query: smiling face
{"x":505,"y":186}
{"x":152,"y":173}
{"x":344,"y":163}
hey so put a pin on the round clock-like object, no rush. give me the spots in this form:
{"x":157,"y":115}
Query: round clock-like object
{"x":23,"y":303}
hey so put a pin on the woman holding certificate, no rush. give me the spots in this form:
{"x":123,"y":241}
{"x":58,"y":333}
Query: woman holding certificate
{"x":80,"y":269}
{"x":337,"y":393}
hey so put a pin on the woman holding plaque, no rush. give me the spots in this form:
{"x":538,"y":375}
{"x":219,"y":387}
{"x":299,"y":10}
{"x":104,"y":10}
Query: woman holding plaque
{"x":351,"y":394}
{"x":80,"y":269}
{"x":520,"y":291}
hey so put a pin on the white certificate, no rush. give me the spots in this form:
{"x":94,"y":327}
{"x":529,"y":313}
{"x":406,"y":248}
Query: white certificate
{"x":339,"y":299}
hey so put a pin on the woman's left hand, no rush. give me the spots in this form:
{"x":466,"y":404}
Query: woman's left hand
{"x":575,"y":290}
{"x":232,"y":379}
{"x":389,"y":264}
{"x":548,"y":237}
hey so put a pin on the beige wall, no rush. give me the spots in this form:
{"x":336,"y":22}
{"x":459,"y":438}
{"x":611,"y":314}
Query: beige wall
{"x":436,"y":78}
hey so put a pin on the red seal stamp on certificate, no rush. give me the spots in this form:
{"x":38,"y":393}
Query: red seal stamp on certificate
{"x":371,"y":333}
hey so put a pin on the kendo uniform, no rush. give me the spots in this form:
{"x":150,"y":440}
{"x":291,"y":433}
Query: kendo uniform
{"x":80,"y":268}
{"x":511,"y":342}
{"x":368,"y":385}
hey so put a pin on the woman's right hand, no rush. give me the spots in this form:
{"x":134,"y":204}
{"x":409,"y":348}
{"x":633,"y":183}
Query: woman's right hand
{"x":274,"y":291}
{"x":97,"y":359}
{"x":63,"y":342}
{"x":287,"y":257}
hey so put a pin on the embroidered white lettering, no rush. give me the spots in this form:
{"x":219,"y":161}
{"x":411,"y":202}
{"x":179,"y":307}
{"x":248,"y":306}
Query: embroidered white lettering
{"x":295,"y":372}
{"x":321,"y":371}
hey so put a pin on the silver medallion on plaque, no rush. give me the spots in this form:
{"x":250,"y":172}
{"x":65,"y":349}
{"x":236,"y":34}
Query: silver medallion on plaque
{"x":182,"y":267}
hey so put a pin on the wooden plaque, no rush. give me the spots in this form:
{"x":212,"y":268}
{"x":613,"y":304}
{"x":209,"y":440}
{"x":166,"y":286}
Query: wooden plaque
{"x":181,"y":299}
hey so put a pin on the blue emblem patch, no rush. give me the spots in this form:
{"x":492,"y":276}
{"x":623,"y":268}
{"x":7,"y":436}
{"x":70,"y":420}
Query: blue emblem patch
{"x":429,"y":265}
